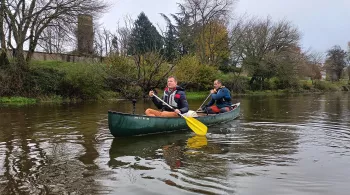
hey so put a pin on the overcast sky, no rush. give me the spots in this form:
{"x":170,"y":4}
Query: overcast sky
{"x":323,"y":23}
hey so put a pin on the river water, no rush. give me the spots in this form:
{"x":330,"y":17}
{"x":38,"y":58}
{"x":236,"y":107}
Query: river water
{"x":285,"y":144}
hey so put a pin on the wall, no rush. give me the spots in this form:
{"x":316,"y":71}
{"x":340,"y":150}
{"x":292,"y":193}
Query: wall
{"x":60,"y":57}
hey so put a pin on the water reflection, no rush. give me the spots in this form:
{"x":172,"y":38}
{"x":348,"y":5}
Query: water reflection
{"x":197,"y":141}
{"x":182,"y":157}
{"x":296,"y":143}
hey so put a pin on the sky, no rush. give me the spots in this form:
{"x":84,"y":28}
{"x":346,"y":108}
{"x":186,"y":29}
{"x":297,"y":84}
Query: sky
{"x":322,"y":23}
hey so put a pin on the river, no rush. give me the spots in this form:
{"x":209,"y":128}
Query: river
{"x":280,"y":144}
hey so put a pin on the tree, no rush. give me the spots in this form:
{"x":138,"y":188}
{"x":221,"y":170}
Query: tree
{"x":171,"y":44}
{"x":54,"y":39}
{"x":310,"y":65}
{"x":202,"y":13}
{"x":183,"y":31}
{"x":262,"y":47}
{"x":216,"y":48}
{"x":27,"y":20}
{"x":121,"y":39}
{"x":136,"y":75}
{"x":103,"y":43}
{"x":2,"y":30}
{"x":144,"y":37}
{"x":348,"y":61}
{"x":335,"y":62}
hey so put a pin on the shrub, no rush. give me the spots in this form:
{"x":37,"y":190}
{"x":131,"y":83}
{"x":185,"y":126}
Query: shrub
{"x":43,"y":81}
{"x":85,"y":81}
{"x":196,"y":76}
{"x":237,"y":84}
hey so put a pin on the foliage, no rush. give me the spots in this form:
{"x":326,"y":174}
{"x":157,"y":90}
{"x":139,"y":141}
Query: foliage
{"x":335,"y":62}
{"x":78,"y":80}
{"x":43,"y":81}
{"x":17,"y":100}
{"x":122,"y":76}
{"x":144,"y":37}
{"x":142,"y":72}
{"x":236,"y":83}
{"x":11,"y":80}
{"x":171,"y":44}
{"x":85,"y":81}
{"x":216,"y":44}
{"x":265,"y":49}
{"x":190,"y":95}
{"x":196,"y":75}
{"x":325,"y":86}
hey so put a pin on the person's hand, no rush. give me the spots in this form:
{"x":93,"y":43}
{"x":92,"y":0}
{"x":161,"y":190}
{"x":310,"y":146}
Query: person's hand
{"x":212,"y":91}
{"x":177,"y":111}
{"x":151,"y":93}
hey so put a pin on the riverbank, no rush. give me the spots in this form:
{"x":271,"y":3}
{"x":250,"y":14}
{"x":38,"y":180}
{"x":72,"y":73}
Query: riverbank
{"x":191,"y":95}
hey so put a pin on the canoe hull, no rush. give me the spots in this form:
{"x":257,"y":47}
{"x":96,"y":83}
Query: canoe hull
{"x":121,"y":124}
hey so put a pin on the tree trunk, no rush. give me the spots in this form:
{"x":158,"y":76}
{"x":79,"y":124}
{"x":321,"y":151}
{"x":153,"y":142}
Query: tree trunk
{"x":20,"y":60}
{"x":2,"y":32}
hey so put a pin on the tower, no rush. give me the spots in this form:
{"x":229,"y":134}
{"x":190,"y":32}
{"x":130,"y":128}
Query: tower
{"x":85,"y":34}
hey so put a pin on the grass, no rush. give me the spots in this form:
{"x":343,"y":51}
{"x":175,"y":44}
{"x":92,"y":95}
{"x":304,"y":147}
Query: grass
{"x":17,"y":100}
{"x":196,"y":95}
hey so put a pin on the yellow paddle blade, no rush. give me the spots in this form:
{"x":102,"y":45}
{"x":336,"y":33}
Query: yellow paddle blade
{"x":198,"y":127}
{"x":197,"y":141}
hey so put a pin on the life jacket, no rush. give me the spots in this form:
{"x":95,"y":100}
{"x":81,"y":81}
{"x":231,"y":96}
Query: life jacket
{"x":169,"y":97}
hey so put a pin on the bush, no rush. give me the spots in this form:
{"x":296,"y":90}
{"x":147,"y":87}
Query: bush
{"x":326,"y":86}
{"x":307,"y":85}
{"x":78,"y":80}
{"x":321,"y":85}
{"x":237,"y":84}
{"x":120,"y":72}
{"x":11,"y":81}
{"x":43,"y":81}
{"x":196,"y":76}
{"x":85,"y":81}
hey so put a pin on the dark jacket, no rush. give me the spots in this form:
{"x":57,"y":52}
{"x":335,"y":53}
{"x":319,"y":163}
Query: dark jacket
{"x":222,"y":98}
{"x":175,"y":97}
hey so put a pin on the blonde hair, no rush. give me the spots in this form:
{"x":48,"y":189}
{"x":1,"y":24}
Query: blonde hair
{"x":173,"y":78}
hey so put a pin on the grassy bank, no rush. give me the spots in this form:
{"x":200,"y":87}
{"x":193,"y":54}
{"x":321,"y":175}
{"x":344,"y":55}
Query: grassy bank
{"x":17,"y":100}
{"x":57,"y":82}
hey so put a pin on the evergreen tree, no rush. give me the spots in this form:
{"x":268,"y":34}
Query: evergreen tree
{"x":144,"y":37}
{"x":171,"y":44}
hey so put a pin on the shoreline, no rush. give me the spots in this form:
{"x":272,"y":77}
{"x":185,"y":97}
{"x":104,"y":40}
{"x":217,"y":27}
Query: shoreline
{"x":22,"y":101}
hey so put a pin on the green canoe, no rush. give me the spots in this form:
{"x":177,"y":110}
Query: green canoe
{"x":122,"y":124}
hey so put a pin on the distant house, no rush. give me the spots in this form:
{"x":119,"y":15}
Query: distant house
{"x":323,"y":75}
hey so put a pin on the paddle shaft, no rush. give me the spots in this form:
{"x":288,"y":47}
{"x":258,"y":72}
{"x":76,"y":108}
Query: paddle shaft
{"x":166,"y":104}
{"x":203,"y":102}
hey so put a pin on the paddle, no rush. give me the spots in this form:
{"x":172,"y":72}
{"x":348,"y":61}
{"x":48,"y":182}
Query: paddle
{"x":203,"y":103}
{"x":196,"y":126}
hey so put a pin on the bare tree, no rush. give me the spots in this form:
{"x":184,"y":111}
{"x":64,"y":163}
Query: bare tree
{"x":151,"y":70}
{"x":336,"y":62}
{"x":55,"y":39}
{"x":260,"y":45}
{"x":28,"y":19}
{"x":122,"y":39}
{"x":202,"y":13}
{"x":2,"y":29}
{"x":103,"y":41}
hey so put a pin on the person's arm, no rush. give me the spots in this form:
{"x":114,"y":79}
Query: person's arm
{"x":219,"y":95}
{"x":184,"y":104}
{"x":156,"y":102}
